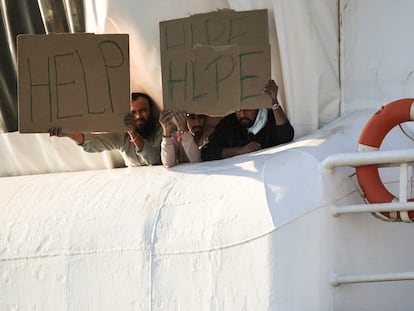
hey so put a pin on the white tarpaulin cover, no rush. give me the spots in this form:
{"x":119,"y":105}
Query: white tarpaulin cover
{"x":253,"y":232}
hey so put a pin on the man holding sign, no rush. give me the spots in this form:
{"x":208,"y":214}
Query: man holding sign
{"x":249,"y":130}
{"x":184,"y":144}
{"x":139,"y":146}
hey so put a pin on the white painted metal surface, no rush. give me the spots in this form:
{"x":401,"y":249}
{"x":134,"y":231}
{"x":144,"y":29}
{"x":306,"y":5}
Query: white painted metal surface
{"x":220,"y":235}
{"x":253,"y":232}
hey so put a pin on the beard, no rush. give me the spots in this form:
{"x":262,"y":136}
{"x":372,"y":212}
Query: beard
{"x":197,"y":130}
{"x":245,"y":122}
{"x":147,"y":128}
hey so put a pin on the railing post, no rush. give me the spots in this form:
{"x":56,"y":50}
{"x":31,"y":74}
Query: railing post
{"x":403,"y":182}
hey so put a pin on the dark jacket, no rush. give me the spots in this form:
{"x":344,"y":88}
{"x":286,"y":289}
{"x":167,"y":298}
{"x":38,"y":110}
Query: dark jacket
{"x":230,"y":133}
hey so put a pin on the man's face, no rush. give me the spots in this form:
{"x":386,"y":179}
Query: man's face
{"x":141,"y":111}
{"x":195,"y":123}
{"x":246,"y":117}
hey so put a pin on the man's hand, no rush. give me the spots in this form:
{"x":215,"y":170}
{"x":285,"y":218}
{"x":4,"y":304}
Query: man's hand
{"x":55,"y":131}
{"x":79,"y":138}
{"x":271,"y":89}
{"x":129,"y":122}
{"x":234,"y":151}
{"x":166,"y":118}
{"x":250,"y":147}
{"x":181,"y":120}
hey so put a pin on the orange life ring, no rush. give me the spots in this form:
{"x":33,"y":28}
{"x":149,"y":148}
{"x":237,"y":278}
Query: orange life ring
{"x":372,"y":135}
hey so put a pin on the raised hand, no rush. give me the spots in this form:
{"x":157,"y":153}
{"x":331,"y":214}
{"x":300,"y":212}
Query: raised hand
{"x":271,"y":89}
{"x":129,"y":122}
{"x":166,"y":121}
{"x":181,"y":120}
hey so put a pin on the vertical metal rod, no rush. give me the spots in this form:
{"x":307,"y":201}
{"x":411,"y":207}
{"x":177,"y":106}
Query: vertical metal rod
{"x":403,"y":182}
{"x":68,"y":11}
{"x":42,"y":13}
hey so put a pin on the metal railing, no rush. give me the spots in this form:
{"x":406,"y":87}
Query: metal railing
{"x":383,"y":159}
{"x":402,"y":158}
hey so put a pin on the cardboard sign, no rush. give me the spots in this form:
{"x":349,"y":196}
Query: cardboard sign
{"x":214,"y":80}
{"x":79,"y":82}
{"x":215,"y":63}
{"x":220,"y":28}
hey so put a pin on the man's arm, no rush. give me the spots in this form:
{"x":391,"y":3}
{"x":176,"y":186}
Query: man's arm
{"x":92,"y":142}
{"x":136,"y":139}
{"x":285,"y":131}
{"x":78,"y":138}
{"x":168,"y":145}
{"x":134,"y":136}
{"x":190,"y":148}
{"x":234,"y":151}
{"x":217,"y":145}
{"x":168,"y":152}
{"x":271,"y":89}
{"x":280,"y":116}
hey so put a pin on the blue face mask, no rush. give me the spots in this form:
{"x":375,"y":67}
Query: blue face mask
{"x":259,"y":123}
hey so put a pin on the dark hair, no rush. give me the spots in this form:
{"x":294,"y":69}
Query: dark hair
{"x":136,"y":95}
{"x":154,"y":108}
{"x":154,"y":114}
